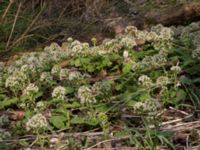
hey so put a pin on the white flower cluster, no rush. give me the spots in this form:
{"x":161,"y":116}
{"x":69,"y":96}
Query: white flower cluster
{"x":4,"y":135}
{"x":34,"y":62}
{"x":26,"y":68}
{"x":1,"y":80}
{"x":4,"y":121}
{"x":151,"y":37}
{"x":101,"y":88}
{"x":176,"y":69}
{"x":46,"y":77}
{"x":125,"y":55}
{"x":85,"y":45}
{"x":109,"y":43}
{"x":36,"y":122}
{"x":2,"y":66}
{"x":128,"y":42}
{"x":85,"y":95}
{"x":31,"y":89}
{"x":157,"y":33}
{"x":162,"y":81}
{"x":196,"y":53}
{"x":150,"y":62}
{"x":74,"y":74}
{"x":64,"y":73}
{"x":131,"y":30}
{"x":70,"y":39}
{"x":149,"y":106}
{"x":164,"y":33}
{"x":53,"y":47}
{"x":145,"y":81}
{"x":189,"y":33}
{"x":40,"y":104}
{"x":55,"y":52}
{"x":76,"y":47}
{"x":17,"y":81}
{"x":55,"y":71}
{"x":59,"y":92}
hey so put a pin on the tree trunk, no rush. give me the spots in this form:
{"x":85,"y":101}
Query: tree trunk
{"x":180,"y":14}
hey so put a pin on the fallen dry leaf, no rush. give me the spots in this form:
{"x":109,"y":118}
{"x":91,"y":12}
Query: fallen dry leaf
{"x":16,"y":115}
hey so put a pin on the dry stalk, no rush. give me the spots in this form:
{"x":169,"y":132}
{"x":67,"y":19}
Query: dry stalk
{"x":24,"y":35}
{"x":7,"y":9}
{"x":13,"y":26}
{"x":106,"y":141}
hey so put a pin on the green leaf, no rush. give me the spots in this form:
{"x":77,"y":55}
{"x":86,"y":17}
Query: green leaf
{"x":180,"y":95}
{"x":5,"y":146}
{"x":73,"y":105}
{"x":144,"y":96}
{"x":91,"y":121}
{"x":186,"y":81}
{"x":3,"y":97}
{"x":197,"y":80}
{"x":58,"y":121}
{"x":77,"y":120}
{"x":121,"y":134}
{"x":77,"y":62}
{"x":119,"y":87}
{"x":101,"y":108}
{"x":85,"y":60}
{"x":131,"y":103}
{"x":90,"y":69}
{"x":127,"y":68}
{"x":8,"y":102}
{"x":38,"y":94}
{"x":28,"y":114}
{"x":69,"y":90}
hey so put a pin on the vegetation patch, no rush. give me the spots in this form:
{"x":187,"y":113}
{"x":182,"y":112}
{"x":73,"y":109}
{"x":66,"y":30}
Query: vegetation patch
{"x":74,"y":95}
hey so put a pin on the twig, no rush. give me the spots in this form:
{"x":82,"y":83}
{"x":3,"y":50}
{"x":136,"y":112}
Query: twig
{"x":35,"y":141}
{"x":105,"y":141}
{"x":34,"y":137}
{"x":171,"y":122}
{"x":183,"y":126}
{"x":28,"y":29}
{"x":62,"y":147}
{"x":13,"y":26}
{"x":180,"y":111}
{"x":81,"y":134}
{"x":7,"y":9}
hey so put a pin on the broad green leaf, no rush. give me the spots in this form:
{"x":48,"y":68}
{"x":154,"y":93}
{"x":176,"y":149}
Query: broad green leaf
{"x":92,"y":121}
{"x":127,"y":68}
{"x":77,"y":62}
{"x":77,"y":120}
{"x":186,"y":81}
{"x":72,"y":105}
{"x":3,"y":97}
{"x":28,"y":114}
{"x":101,"y":108}
{"x":181,"y":95}
{"x":131,"y":103}
{"x":8,"y":102}
{"x":69,"y":90}
{"x":58,"y":121}
{"x":121,"y":134}
{"x":144,"y":96}
{"x":119,"y":87}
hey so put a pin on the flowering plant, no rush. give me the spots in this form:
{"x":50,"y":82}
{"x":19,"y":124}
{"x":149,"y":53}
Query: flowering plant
{"x":87,"y":86}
